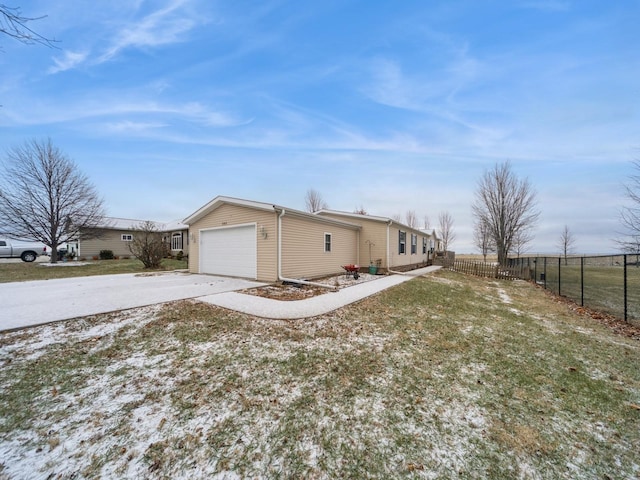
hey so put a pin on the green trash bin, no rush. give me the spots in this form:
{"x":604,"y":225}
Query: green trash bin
{"x":373,"y":270}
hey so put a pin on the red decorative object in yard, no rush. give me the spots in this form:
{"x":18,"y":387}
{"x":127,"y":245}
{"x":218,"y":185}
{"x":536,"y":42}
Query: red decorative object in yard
{"x":352,"y":270}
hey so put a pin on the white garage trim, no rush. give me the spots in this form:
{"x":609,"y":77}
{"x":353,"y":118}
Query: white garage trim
{"x":230,"y":251}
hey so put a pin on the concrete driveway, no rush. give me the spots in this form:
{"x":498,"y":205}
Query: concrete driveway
{"x":25,"y":304}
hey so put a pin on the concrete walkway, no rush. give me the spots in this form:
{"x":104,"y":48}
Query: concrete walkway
{"x":311,"y":307}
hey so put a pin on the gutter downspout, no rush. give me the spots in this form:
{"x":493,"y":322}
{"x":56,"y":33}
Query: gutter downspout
{"x":292,"y":280}
{"x":389,"y":254}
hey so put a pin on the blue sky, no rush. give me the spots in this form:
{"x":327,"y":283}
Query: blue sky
{"x":392,"y":106}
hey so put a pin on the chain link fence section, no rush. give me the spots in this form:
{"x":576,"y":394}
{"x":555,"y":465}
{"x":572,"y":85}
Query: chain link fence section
{"x":607,"y":283}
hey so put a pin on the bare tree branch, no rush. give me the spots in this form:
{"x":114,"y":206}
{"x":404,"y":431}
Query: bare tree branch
{"x":314,"y":202}
{"x":147,"y":245}
{"x":483,"y":239}
{"x":507,"y":206}
{"x":14,"y":24}
{"x":447,"y":235}
{"x":630,"y":214}
{"x":360,"y":210}
{"x":566,"y":242}
{"x":411,"y":218}
{"x":43,"y":196}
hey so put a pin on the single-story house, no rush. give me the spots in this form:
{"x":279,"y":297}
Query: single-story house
{"x":115,"y":234}
{"x":266,"y":242}
{"x":257,"y":240}
{"x":389,"y":244}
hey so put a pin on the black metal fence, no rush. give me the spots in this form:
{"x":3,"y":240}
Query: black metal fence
{"x":610,"y":284}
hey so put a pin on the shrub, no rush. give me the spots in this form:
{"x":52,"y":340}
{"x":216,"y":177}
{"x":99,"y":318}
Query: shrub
{"x":106,"y":255}
{"x":147,"y":245}
{"x":180,"y":255}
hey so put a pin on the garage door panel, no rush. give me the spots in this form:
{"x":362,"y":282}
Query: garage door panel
{"x":229,"y":251}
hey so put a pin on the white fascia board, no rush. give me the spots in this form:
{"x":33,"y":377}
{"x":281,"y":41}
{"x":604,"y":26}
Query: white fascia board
{"x":221,"y":200}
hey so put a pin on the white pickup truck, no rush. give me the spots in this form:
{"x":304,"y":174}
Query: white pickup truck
{"x":27,"y":251}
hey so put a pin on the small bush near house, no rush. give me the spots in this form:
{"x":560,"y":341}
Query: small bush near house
{"x":106,"y":255}
{"x":180,"y":255}
{"x":147,"y":246}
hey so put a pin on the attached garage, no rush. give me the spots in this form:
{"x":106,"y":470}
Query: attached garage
{"x":230,"y":251}
{"x":242,"y":238}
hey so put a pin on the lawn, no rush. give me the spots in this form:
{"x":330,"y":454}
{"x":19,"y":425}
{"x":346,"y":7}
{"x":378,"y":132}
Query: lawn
{"x":19,"y":272}
{"x":443,"y":376}
{"x":603,"y":287}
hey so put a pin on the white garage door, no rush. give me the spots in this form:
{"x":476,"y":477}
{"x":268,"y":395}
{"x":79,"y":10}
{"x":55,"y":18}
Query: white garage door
{"x":229,"y":251}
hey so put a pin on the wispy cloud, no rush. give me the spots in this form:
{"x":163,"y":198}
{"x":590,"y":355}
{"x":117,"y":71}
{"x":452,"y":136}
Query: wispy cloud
{"x":118,"y":112}
{"x":162,"y":27}
{"x":68,"y":61}
{"x":127,"y":126}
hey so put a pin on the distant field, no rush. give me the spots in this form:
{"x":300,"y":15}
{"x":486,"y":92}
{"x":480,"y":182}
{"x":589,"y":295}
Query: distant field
{"x":476,"y":257}
{"x":603,"y":287}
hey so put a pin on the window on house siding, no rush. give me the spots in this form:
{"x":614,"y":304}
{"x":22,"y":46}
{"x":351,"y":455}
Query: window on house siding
{"x":402,"y":242}
{"x":176,"y":241}
{"x":327,"y":242}
{"x":424,"y":245}
{"x":414,"y":244}
{"x":127,"y":237}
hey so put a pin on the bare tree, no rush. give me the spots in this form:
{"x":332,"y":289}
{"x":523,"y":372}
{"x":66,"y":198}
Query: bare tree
{"x":314,"y":201}
{"x":360,"y":210}
{"x":566,"y":242}
{"x":445,"y":229}
{"x":630,"y":214}
{"x":43,"y":196}
{"x":426,"y":222}
{"x":147,"y":245}
{"x":15,"y":25}
{"x":396,"y":217}
{"x":411,"y":218}
{"x":520,"y":241}
{"x":507,"y":206}
{"x":482,"y":239}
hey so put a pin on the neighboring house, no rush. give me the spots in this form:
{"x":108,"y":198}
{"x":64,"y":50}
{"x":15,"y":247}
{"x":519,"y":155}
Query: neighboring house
{"x":244,"y":238}
{"x":116,"y":234}
{"x":389,"y":244}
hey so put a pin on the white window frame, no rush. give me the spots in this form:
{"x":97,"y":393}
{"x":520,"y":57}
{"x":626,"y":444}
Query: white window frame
{"x":327,"y":245}
{"x":176,"y":241}
{"x":126,"y":237}
{"x":414,"y":244}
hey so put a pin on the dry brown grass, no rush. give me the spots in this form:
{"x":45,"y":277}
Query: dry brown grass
{"x":441,"y":374}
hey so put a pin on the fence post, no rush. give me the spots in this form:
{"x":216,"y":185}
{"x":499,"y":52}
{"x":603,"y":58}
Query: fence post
{"x":624,"y":258}
{"x":545,"y":273}
{"x":582,"y":281}
{"x":559,"y":269}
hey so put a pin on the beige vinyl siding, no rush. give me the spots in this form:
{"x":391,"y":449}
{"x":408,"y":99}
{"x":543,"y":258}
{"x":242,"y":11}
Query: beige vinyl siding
{"x":303,"y":248}
{"x":107,"y":240}
{"x":402,"y":259}
{"x":375,"y":232}
{"x":229,"y":215}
